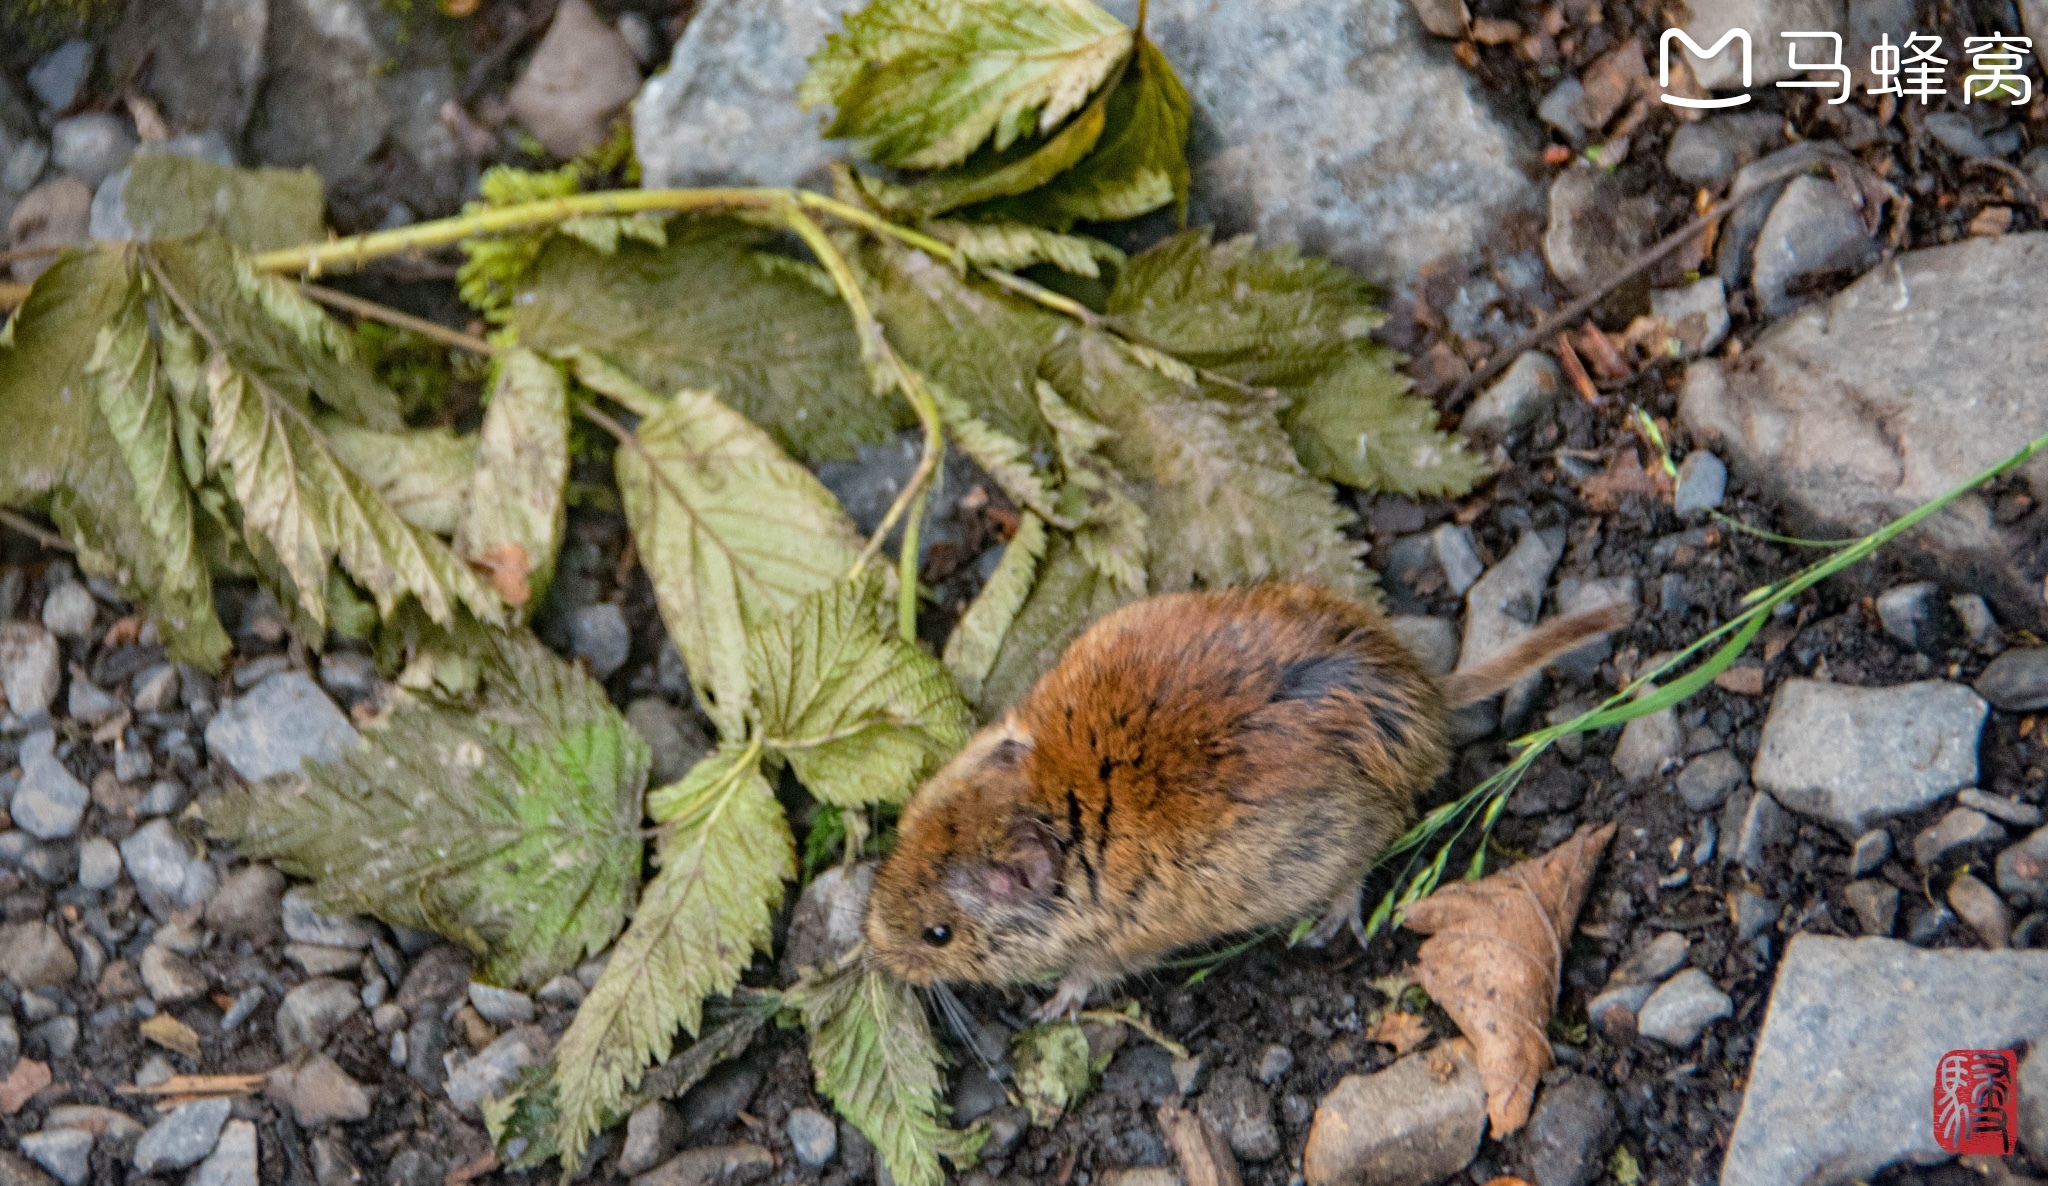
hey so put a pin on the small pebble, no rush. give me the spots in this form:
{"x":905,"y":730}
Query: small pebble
{"x":1871,"y":850}
{"x":244,"y":1005}
{"x":1702,"y":483}
{"x":65,"y":1152}
{"x":1274,"y":1063}
{"x":1961,"y":828}
{"x":1684,"y":1006}
{"x":60,"y":76}
{"x":99,"y":863}
{"x":2012,"y":811}
{"x":813,"y":1137}
{"x":68,"y":611}
{"x":1980,"y":906}
{"x":502,"y":1007}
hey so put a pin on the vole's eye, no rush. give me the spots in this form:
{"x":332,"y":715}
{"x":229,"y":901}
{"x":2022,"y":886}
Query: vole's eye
{"x":938,"y":936}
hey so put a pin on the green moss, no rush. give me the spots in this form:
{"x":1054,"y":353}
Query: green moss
{"x":415,"y":367}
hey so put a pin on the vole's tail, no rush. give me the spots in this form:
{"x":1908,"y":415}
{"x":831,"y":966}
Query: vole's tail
{"x":1550,"y":640}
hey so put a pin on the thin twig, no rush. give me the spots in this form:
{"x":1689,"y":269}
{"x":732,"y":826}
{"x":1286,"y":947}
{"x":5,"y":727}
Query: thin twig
{"x":37,"y":252}
{"x":350,"y":303}
{"x":27,"y":527}
{"x":1663,"y":249}
{"x":2031,"y":191}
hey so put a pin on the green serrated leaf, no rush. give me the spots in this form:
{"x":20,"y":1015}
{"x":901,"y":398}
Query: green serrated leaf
{"x":1052,"y":1069}
{"x":420,"y":473}
{"x":1357,"y":424}
{"x":169,"y":196}
{"x":701,"y":312}
{"x":1014,"y":246}
{"x":497,"y":265}
{"x":1229,"y":502}
{"x":1101,"y":506}
{"x":514,"y":512}
{"x":920,"y":84}
{"x":861,"y":715}
{"x":292,"y":488}
{"x":44,"y":401}
{"x":724,"y":853}
{"x":135,"y":401}
{"x":1069,"y":594}
{"x":1138,"y":164}
{"x":977,"y":639}
{"x":731,"y":531}
{"x":1269,"y":316}
{"x":513,"y":829}
{"x":873,"y":1054}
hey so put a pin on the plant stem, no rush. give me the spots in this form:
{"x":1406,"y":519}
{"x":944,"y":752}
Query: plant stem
{"x":349,"y":303}
{"x":48,"y":539}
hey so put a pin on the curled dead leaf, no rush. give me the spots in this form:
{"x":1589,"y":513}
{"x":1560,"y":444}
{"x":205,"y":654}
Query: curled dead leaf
{"x":1493,"y":958}
{"x":1623,"y":478}
{"x":172,"y":1034}
{"x":507,"y":566}
{"x":1402,"y":1031}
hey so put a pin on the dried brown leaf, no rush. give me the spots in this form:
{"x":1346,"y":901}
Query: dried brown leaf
{"x":1204,"y":1156}
{"x":172,"y":1034}
{"x":1492,"y":961}
{"x":1623,"y":478}
{"x":1402,"y":1031}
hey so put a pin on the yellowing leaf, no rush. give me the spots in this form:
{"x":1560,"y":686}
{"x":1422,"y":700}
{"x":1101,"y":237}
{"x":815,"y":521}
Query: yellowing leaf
{"x":512,"y":829}
{"x":1014,"y":246}
{"x":420,"y":473}
{"x":861,"y":715}
{"x":921,"y":83}
{"x":166,"y":196}
{"x":1138,"y":164}
{"x":1053,"y":1069}
{"x":702,"y":312}
{"x":977,"y":638}
{"x":1068,"y":595}
{"x":724,"y":854}
{"x":874,"y":1056}
{"x":731,"y":531}
{"x":44,"y":402}
{"x":513,"y":513}
{"x":497,"y":264}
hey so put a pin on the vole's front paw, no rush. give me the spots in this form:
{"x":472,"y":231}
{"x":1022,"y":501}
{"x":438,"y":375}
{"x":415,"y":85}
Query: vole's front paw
{"x":1066,"y":1002}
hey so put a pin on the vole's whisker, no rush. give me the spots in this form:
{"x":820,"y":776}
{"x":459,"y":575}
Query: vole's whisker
{"x":961,"y":1022}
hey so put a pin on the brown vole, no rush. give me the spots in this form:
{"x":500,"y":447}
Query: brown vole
{"x":1195,"y":765}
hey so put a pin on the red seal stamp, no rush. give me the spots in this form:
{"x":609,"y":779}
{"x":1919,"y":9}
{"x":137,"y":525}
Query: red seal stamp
{"x":1975,"y":1103}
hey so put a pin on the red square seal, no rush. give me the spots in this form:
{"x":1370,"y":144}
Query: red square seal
{"x":1975,"y":1103}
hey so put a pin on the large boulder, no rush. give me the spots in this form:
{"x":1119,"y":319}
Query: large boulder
{"x":1911,"y":380}
{"x":1339,"y":125}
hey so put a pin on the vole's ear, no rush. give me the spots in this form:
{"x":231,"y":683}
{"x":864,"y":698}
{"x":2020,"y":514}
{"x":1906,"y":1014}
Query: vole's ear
{"x":1026,"y":870}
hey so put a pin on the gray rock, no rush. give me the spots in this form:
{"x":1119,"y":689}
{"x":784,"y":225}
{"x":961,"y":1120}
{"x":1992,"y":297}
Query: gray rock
{"x":233,"y":1161}
{"x":1523,"y":395}
{"x":205,"y":59}
{"x":278,"y":724}
{"x":1334,"y":124}
{"x":164,"y":870}
{"x":164,"y":797}
{"x":1813,"y":228}
{"x":1752,"y":913}
{"x":1502,"y":607}
{"x":639,"y":36}
{"x":1870,"y":851}
{"x":245,"y":1005}
{"x":1596,"y":229}
{"x":10,"y":1045}
{"x":1243,"y":1112}
{"x":1709,"y":152}
{"x":716,"y":1165}
{"x":502,"y":1007}
{"x":652,"y":1133}
{"x":90,"y":147}
{"x":599,"y":635}
{"x":827,"y":918}
{"x":1765,"y":21}
{"x":30,"y":667}
{"x":675,"y":740}
{"x":65,"y":1152}
{"x":49,"y":803}
{"x":88,"y":703}
{"x":56,"y":213}
{"x":1577,"y":595}
{"x":1839,"y":1081}
{"x":1681,"y":1008}
{"x":976,"y":1094}
{"x":323,"y":961}
{"x":59,"y":1037}
{"x":2017,"y":681}
{"x":1274,"y":1063}
{"x":348,"y":676}
{"x":60,"y":76}
{"x":1702,"y":483}
{"x":723,"y":1095}
{"x":1569,"y":1133}
{"x":16,"y":1170}
{"x":2023,"y":868}
{"x":424,"y":1046}
{"x":304,"y":922}
{"x":1458,"y":554}
{"x":1961,"y":828}
{"x":1876,"y":905}
{"x":1957,"y":134}
{"x":248,"y":904}
{"x":582,"y":73}
{"x":1854,"y":413}
{"x":23,"y":166}
{"x":1907,"y":613}
{"x":1189,"y":1074}
{"x":132,"y":763}
{"x":1556,"y":108}
{"x":319,"y":1092}
{"x":2012,"y":811}
{"x":182,"y":1138}
{"x":1979,"y":905}
{"x":1658,"y":958}
{"x":310,"y":1013}
{"x":1413,"y":1124}
{"x":170,"y":978}
{"x":321,"y":105}
{"x":1697,"y":315}
{"x":495,"y":1066}
{"x":1432,"y":640}
{"x":1647,"y":744}
{"x":34,"y":955}
{"x":1853,"y":756}
{"x":1706,"y":780}
{"x":1752,"y":822}
{"x":1610,"y":1006}
{"x":1979,"y":626}
{"x":813,"y":1137}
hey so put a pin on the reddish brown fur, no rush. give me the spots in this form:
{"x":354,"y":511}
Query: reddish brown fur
{"x":1196,"y":764}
